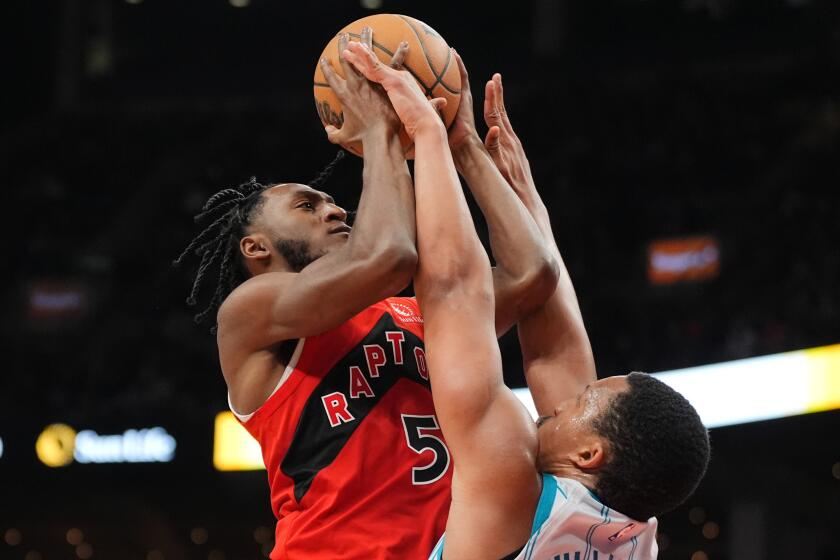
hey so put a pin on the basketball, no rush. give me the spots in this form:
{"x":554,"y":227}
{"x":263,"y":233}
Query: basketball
{"x":429,"y":60}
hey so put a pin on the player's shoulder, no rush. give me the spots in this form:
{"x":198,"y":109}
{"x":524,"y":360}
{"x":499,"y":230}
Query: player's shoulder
{"x":252,"y":296}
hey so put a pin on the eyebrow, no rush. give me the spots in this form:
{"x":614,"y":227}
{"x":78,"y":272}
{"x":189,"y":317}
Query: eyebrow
{"x":314,"y":195}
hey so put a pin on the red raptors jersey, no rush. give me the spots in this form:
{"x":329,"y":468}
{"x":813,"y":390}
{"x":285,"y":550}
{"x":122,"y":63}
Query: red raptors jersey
{"x":355,"y":457}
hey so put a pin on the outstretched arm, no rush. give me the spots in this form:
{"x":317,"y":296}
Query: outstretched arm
{"x":556,"y":353}
{"x":491,"y":437}
{"x":525,"y":273}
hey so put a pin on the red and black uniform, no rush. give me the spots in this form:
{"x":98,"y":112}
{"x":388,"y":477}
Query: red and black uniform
{"x":356,"y":460}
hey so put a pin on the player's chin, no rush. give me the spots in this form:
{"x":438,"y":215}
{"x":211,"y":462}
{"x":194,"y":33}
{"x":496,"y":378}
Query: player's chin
{"x":339,"y":238}
{"x":334,"y":241}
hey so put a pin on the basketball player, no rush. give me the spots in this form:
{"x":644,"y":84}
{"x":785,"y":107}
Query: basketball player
{"x":606,"y":456}
{"x":324,"y":368}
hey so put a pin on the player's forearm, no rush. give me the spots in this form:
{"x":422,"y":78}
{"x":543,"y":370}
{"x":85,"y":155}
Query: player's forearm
{"x":560,"y":313}
{"x":522,"y":183}
{"x":525,"y":272}
{"x":556,"y":353}
{"x":450,"y":253}
{"x":384,"y":225}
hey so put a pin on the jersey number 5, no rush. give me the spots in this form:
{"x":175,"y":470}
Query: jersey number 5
{"x":420,"y":442}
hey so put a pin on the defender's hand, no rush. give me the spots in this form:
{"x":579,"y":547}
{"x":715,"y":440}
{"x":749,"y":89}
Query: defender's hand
{"x":414,"y":110}
{"x":365,"y":105}
{"x":463,"y":127}
{"x":501,"y":141}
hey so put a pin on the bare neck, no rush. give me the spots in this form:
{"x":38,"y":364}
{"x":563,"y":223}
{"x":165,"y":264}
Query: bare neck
{"x":565,"y":470}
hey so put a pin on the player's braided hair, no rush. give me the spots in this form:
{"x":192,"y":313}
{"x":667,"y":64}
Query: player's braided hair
{"x":228,"y":213}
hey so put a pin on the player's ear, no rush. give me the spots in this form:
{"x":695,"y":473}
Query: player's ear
{"x":591,"y":455}
{"x":255,"y":248}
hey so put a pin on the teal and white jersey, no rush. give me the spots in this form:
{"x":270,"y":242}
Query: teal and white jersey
{"x":571,"y":524}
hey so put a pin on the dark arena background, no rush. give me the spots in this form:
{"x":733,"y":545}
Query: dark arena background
{"x":688,"y":151}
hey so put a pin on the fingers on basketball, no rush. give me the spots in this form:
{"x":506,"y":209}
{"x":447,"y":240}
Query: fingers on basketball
{"x":333,"y":134}
{"x":343,"y":40}
{"x":366,"y":37}
{"x":439,"y":103}
{"x":399,"y":56}
{"x":363,"y":59}
{"x":335,"y":81}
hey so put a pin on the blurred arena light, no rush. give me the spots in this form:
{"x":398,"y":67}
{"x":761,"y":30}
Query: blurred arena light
{"x":59,"y":444}
{"x":13,"y":537}
{"x":697,"y":515}
{"x":233,"y":447}
{"x":84,"y":551}
{"x":55,"y":445}
{"x":56,"y":300}
{"x":75,"y":536}
{"x":199,"y":535}
{"x":371,"y":4}
{"x":239,"y":3}
{"x":711,"y":530}
{"x":683,"y":259}
{"x":754,"y":389}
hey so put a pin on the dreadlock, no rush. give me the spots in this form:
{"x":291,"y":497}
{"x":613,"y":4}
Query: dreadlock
{"x":229,"y":214}
{"x":322,"y":177}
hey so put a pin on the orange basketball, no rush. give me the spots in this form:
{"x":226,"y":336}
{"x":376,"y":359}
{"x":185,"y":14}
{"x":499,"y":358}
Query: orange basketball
{"x":429,"y":60}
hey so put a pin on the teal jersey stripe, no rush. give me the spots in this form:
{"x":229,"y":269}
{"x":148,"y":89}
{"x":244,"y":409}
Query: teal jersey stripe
{"x":547,"y":497}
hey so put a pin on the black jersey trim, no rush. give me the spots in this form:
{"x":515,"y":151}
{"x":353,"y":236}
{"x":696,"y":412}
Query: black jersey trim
{"x":316,"y":444}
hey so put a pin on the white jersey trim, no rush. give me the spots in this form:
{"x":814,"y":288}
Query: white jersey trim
{"x":290,"y":367}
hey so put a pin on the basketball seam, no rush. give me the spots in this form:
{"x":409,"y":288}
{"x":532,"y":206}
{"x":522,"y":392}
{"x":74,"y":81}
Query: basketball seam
{"x":422,"y":45}
{"x":438,"y":77}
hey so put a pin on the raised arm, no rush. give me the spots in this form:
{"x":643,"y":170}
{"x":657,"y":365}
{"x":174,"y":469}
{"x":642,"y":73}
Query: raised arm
{"x":556,"y":353}
{"x":489,"y":433}
{"x":525,"y":273}
{"x":377,"y":261}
